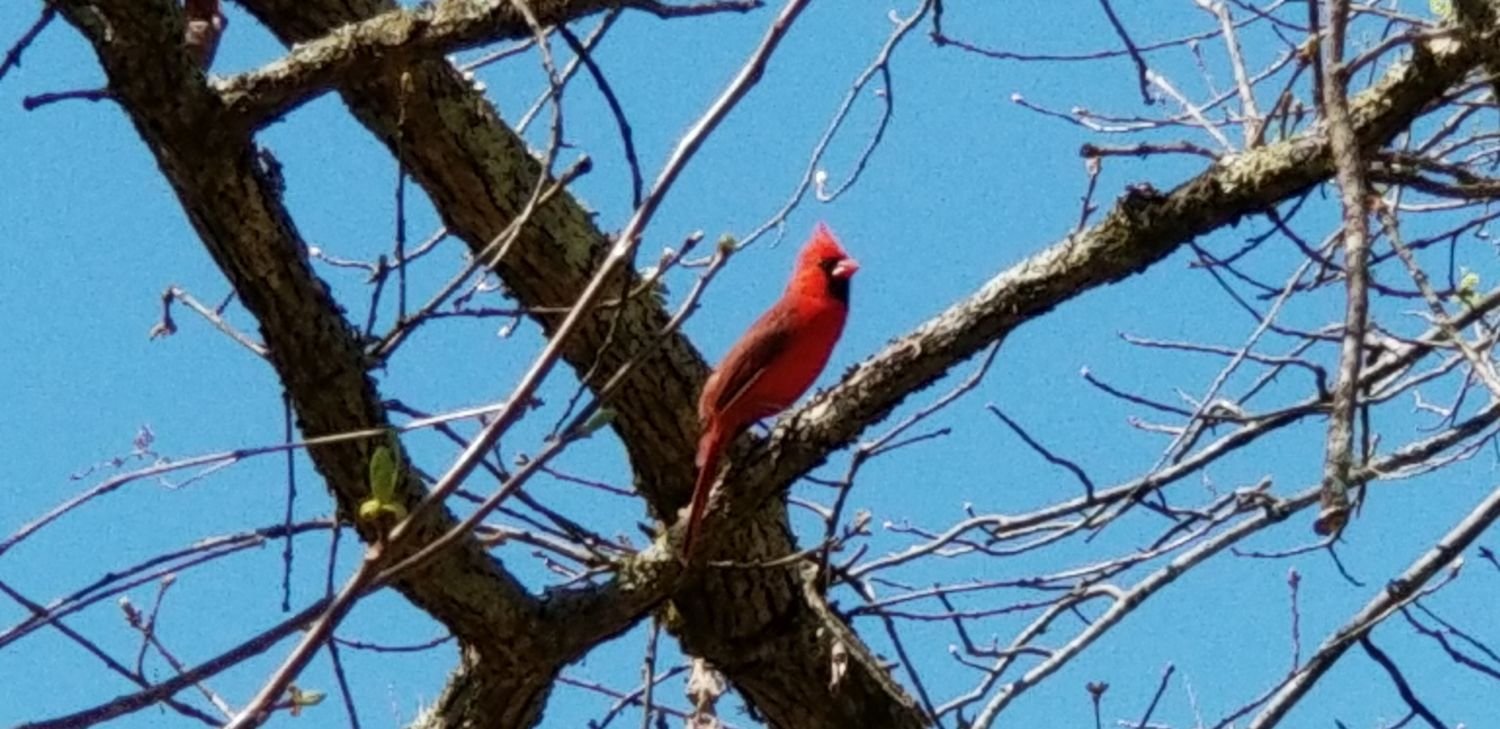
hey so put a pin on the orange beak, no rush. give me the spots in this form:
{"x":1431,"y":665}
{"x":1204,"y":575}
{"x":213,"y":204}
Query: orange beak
{"x":845,"y":268}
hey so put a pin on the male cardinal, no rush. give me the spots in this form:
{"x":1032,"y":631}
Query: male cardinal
{"x":775,"y":361}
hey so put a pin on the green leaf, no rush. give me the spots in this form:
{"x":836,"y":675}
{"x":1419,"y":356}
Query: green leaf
{"x":603,"y":417}
{"x":300,"y":699}
{"x":383,"y":475}
{"x":385,"y":471}
{"x":369,"y":509}
{"x":1441,"y":8}
{"x":1468,"y":288}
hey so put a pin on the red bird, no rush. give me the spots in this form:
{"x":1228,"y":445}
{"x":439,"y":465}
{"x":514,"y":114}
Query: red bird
{"x":775,"y":361}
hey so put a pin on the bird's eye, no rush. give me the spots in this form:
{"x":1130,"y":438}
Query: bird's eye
{"x":828,"y":264}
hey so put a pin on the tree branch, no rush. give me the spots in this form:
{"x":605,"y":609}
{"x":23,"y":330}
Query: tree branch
{"x":397,"y":37}
{"x":235,"y":207}
{"x":477,"y":173}
{"x":1349,"y":171}
{"x":1398,"y":593}
{"x":1143,"y":228}
{"x":758,"y":627}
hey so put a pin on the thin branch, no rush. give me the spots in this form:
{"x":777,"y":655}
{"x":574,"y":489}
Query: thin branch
{"x":147,"y":626}
{"x":1142,"y":71}
{"x":627,"y":138}
{"x":167,"y":326}
{"x":225,"y":458}
{"x":253,"y":714}
{"x":1073,"y":468}
{"x":648,"y":674}
{"x":1161,"y":688}
{"x":1124,"y":602}
{"x":120,"y":580}
{"x":878,"y":67}
{"x":97,"y":652}
{"x":1397,"y":594}
{"x":1349,"y":166}
{"x":164,"y":690}
{"x":1402,"y":687}
{"x":37,"y":101}
{"x":343,"y":680}
{"x":291,"y":499}
{"x":13,"y":56}
{"x":1481,"y":366}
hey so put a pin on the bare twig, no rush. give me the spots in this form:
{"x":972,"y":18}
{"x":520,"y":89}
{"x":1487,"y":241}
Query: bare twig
{"x":222,"y":459}
{"x":1480,"y":365}
{"x":110,"y":662}
{"x":1349,"y":168}
{"x":1250,"y":111}
{"x":343,"y":680}
{"x":37,"y":101}
{"x":1161,"y":688}
{"x":164,"y":690}
{"x":1402,"y":686}
{"x":1141,"y":69}
{"x":167,"y":326}
{"x":147,"y":626}
{"x":878,"y":67}
{"x":648,"y":674}
{"x":624,"y":248}
{"x":120,"y":580}
{"x":627,"y":138}
{"x":1073,"y":468}
{"x":291,"y":499}
{"x":1397,"y":594}
{"x":13,"y":56}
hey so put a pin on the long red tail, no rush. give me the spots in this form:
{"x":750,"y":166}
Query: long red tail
{"x":709,"y":447}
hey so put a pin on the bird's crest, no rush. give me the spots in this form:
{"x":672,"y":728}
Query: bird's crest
{"x":821,"y":247}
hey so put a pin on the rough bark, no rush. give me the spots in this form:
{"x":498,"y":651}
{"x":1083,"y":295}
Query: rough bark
{"x":758,"y":626}
{"x":235,"y":206}
{"x":753,"y":625}
{"x":1143,"y":227}
{"x":380,"y":42}
{"x":479,"y":175}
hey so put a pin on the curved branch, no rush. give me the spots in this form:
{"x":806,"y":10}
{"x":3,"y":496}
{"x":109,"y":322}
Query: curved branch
{"x":1393,"y":597}
{"x":1143,"y":228}
{"x":366,"y":47}
{"x":234,"y":204}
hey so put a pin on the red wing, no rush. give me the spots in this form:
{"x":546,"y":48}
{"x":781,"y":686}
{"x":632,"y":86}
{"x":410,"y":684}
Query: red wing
{"x":745,"y":363}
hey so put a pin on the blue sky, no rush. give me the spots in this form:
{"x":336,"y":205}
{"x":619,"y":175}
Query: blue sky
{"x":965,"y":184}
